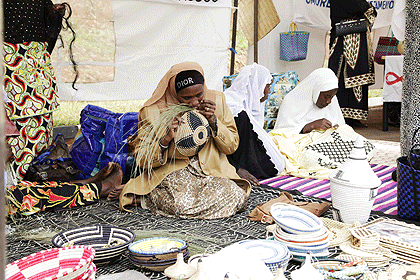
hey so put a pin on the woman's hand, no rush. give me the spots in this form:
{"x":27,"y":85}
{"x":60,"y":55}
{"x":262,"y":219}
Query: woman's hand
{"x":244,"y":174}
{"x":207,"y":109}
{"x":321,"y":124}
{"x":172,"y":129}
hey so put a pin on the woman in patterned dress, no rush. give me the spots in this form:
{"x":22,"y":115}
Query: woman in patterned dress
{"x":31,"y":28}
{"x":27,"y":198}
{"x":204,"y":186}
{"x":351,"y":59}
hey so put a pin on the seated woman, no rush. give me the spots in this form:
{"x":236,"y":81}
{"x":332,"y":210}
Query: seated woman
{"x":310,"y":130}
{"x":203,"y":186}
{"x":257,"y":157}
{"x":27,"y":198}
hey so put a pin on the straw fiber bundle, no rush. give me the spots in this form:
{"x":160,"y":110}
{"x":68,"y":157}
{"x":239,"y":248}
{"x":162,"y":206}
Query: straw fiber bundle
{"x":267,"y":18}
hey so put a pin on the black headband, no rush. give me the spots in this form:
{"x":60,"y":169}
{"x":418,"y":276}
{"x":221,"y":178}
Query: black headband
{"x":188,"y":78}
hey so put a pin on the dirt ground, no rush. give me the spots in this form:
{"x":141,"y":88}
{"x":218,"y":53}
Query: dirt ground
{"x":374,"y":129}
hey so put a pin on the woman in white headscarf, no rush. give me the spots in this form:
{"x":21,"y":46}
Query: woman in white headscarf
{"x":257,"y":157}
{"x":310,"y":130}
{"x":312,"y":104}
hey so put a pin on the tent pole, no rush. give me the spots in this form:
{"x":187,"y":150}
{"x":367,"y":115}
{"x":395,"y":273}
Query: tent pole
{"x":234,"y":29}
{"x":256,"y":31}
{"x":2,"y":156}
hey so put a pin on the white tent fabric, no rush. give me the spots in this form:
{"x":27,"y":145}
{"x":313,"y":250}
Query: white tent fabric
{"x":269,"y":50}
{"x":398,"y":20}
{"x":203,"y":3}
{"x":153,"y":36}
{"x":316,"y":14}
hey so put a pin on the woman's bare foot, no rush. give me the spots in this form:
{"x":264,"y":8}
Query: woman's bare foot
{"x":114,"y":194}
{"x":112,"y":183}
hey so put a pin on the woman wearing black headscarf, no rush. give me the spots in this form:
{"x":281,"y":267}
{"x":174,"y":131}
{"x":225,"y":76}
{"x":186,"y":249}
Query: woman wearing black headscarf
{"x":351,"y":58}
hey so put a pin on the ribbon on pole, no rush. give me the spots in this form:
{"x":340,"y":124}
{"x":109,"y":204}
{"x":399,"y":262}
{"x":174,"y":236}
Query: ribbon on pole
{"x":395,"y":80}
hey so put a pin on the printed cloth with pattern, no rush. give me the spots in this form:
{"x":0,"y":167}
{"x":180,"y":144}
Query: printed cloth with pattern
{"x":30,"y":85}
{"x":27,"y":198}
{"x":315,"y":154}
{"x":188,"y":193}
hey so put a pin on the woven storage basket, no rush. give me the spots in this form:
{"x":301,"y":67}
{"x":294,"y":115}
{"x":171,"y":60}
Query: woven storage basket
{"x":108,"y":241}
{"x":58,"y":263}
{"x":354,"y":187}
{"x":192,"y":134}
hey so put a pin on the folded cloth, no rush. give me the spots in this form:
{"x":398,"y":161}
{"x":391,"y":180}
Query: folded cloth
{"x":262,"y":212}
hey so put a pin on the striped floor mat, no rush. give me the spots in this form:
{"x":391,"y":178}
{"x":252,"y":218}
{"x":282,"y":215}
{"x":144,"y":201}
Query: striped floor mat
{"x":386,"y":200}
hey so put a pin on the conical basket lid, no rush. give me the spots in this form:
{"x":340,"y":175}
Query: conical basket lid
{"x":356,"y":170}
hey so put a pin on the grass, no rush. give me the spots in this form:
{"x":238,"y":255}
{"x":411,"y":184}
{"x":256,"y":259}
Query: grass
{"x":375,"y":93}
{"x":69,"y":112}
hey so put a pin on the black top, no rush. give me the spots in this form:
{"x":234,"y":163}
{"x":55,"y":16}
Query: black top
{"x":31,"y":20}
{"x":347,"y":9}
{"x":251,"y":154}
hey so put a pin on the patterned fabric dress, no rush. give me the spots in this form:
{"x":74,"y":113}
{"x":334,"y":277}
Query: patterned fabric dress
{"x":27,"y":198}
{"x":351,"y":58}
{"x":188,"y":193}
{"x":30,"y":84}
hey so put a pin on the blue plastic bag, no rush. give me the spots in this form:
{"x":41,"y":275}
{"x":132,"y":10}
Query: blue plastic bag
{"x":103,"y":139}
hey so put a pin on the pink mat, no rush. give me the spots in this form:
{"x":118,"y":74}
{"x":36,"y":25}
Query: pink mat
{"x":386,"y":200}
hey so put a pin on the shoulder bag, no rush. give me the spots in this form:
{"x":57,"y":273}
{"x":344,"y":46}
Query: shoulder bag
{"x":346,"y":27}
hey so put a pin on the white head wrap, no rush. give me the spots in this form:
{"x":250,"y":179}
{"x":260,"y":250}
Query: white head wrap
{"x":246,"y":91}
{"x":244,"y":95}
{"x":299,"y":106}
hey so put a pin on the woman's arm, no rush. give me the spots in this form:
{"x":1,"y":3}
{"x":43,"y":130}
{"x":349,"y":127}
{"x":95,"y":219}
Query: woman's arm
{"x":321,"y":124}
{"x":226,"y":137}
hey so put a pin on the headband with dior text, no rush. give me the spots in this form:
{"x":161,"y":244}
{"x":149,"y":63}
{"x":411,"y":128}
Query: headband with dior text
{"x":188,"y":78}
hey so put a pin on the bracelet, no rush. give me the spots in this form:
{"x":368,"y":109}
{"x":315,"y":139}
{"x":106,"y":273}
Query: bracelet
{"x":163,"y":147}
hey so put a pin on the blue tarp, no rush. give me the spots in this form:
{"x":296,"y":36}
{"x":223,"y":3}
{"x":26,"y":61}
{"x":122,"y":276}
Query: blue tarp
{"x":103,"y":139}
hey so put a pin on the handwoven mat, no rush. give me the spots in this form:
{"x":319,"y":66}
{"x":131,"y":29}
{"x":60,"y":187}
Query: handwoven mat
{"x":386,"y":200}
{"x":31,"y":234}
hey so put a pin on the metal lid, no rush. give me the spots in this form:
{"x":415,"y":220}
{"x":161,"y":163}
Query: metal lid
{"x":356,"y":171}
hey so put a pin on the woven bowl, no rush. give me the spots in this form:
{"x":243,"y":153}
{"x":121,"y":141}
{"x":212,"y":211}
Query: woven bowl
{"x":108,"y":241}
{"x":157,"y":246}
{"x":57,"y":263}
{"x":157,"y":257}
{"x":156,"y":265}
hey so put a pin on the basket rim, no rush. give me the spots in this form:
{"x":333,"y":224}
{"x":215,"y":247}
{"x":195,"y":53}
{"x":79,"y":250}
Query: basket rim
{"x":98,"y":250}
{"x":185,"y":245}
{"x":86,"y":263}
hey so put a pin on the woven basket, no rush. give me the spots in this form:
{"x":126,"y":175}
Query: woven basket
{"x":192,"y":134}
{"x":339,"y":232}
{"x":157,"y":253}
{"x":156,"y":246}
{"x":108,"y":241}
{"x":58,"y":263}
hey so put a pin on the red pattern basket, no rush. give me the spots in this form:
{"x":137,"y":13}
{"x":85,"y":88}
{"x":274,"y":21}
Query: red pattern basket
{"x":69,"y":263}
